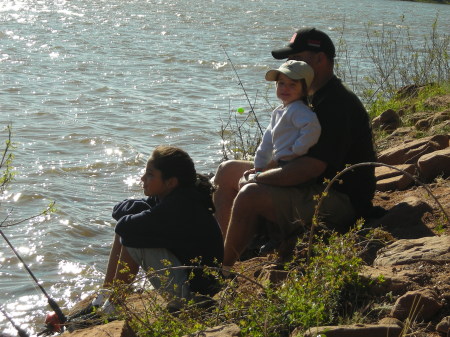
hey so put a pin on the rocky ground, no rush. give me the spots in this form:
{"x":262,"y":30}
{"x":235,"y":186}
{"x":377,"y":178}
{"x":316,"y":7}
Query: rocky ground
{"x":414,"y":262}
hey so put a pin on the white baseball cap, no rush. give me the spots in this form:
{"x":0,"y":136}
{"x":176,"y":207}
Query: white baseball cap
{"x":295,"y":70}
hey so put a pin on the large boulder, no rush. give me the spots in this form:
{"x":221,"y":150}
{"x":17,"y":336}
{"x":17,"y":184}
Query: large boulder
{"x":357,"y":330}
{"x":435,"y":164}
{"x":440,"y":117}
{"x":419,"y":305}
{"x":388,"y":120}
{"x":404,"y":220}
{"x":229,"y":330}
{"x":384,"y":172}
{"x":389,"y":179}
{"x":410,"y":152}
{"x":113,"y":329}
{"x":382,"y":280}
{"x":401,"y":252}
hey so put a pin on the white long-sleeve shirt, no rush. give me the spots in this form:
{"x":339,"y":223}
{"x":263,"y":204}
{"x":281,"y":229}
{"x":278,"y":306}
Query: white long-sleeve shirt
{"x":292,"y":130}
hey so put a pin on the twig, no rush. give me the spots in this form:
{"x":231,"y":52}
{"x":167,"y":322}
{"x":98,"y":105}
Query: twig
{"x":8,"y":145}
{"x":2,"y":225}
{"x":162,"y":270}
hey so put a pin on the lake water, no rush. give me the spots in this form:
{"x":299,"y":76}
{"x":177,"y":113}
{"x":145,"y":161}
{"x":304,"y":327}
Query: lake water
{"x":91,"y":87}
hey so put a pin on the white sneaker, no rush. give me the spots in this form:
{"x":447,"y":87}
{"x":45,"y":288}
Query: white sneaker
{"x":108,"y":308}
{"x":101,"y":298}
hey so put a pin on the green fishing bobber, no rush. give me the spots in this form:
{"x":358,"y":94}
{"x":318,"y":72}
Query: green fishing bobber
{"x":240,"y":110}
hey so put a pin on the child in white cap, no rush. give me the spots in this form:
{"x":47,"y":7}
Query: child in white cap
{"x":294,"y":127}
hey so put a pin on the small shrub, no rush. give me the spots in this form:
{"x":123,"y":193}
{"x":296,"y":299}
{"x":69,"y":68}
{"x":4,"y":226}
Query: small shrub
{"x":310,"y":295}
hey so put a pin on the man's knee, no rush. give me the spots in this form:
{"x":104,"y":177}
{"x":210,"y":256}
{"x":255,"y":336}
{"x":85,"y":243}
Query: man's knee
{"x":254,"y":198}
{"x":230,"y":171}
{"x":221,"y":172}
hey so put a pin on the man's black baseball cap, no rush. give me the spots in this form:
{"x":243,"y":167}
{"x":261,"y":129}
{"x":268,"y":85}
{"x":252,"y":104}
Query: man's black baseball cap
{"x":304,"y":39}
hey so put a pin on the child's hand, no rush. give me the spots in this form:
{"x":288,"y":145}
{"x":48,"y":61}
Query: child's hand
{"x":251,"y":171}
{"x":245,"y":178}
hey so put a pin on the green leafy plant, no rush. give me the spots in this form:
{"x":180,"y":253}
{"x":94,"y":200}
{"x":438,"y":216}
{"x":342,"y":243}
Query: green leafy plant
{"x":310,"y":295}
{"x":7,"y":173}
{"x":398,"y":61}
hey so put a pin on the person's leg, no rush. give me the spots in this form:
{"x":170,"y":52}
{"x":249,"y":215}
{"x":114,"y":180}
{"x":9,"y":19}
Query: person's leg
{"x":174,"y":280}
{"x":252,"y":203}
{"x":118,"y":258}
{"x":288,"y":208}
{"x":226,"y":182}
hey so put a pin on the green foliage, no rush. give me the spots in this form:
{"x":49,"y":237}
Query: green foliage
{"x":398,"y":61}
{"x":240,"y":135}
{"x":416,"y":100}
{"x":381,"y":104}
{"x":310,"y":295}
{"x":430,"y":91}
{"x":7,"y":173}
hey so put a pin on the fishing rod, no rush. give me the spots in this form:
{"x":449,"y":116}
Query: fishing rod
{"x":21,"y":332}
{"x":51,"y":302}
{"x":243,"y":88}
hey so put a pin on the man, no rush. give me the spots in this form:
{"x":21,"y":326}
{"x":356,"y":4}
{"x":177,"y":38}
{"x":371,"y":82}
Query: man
{"x":284,"y":195}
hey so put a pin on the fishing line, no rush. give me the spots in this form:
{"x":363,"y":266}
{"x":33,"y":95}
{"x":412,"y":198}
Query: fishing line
{"x":243,"y":88}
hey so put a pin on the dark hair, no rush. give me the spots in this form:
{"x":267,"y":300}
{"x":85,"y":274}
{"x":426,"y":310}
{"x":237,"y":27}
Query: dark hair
{"x":174,"y":162}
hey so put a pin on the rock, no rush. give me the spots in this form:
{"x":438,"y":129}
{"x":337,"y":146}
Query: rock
{"x":409,"y":91}
{"x":435,"y":164}
{"x":113,"y":329}
{"x":437,"y":102}
{"x":439,"y":128}
{"x":406,"y":109}
{"x":440,"y":117}
{"x":382,"y":280}
{"x":401,"y":252}
{"x":357,"y":330}
{"x":404,"y":220}
{"x":273,"y":276}
{"x":391,"y":320}
{"x":389,"y":179}
{"x":444,"y":326}
{"x":408,"y":153}
{"x":399,"y":182}
{"x":388,"y":120}
{"x":413,"y":118}
{"x":384,"y":172}
{"x":229,"y":330}
{"x":423,"y":124}
{"x":82,"y":304}
{"x":419,"y":305}
{"x":401,"y":132}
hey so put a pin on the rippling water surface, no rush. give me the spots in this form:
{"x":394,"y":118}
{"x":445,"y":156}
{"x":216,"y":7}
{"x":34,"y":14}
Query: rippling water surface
{"x":90,"y":87}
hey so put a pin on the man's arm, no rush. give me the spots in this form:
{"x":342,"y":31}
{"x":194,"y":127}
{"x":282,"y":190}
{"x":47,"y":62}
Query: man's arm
{"x":297,"y":171}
